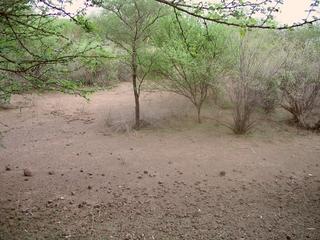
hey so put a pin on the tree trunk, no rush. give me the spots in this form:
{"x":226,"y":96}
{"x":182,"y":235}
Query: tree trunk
{"x":199,"y":114}
{"x":137,"y":110}
{"x":135,"y":88}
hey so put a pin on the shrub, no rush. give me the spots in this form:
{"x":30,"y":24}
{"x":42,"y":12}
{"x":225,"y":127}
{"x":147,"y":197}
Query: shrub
{"x":256,"y":62}
{"x":300,"y":82}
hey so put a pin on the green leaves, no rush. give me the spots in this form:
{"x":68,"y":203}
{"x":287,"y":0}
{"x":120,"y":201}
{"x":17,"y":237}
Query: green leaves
{"x":189,"y":57}
{"x":242,"y":32}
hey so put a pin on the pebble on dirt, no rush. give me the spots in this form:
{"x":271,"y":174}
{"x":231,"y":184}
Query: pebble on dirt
{"x":8,"y":168}
{"x":222,"y":173}
{"x":27,"y":172}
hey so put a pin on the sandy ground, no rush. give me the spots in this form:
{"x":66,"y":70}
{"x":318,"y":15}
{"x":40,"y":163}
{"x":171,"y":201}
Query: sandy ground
{"x":94,"y":178}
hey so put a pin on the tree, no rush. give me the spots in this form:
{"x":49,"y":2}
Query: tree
{"x":32,"y":45}
{"x":189,"y":57}
{"x":128,"y":24}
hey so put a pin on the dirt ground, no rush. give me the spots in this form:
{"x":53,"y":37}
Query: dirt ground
{"x":95,"y":178}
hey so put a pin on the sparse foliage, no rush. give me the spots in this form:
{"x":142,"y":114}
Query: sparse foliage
{"x":300,"y":80}
{"x":240,"y":13}
{"x":256,"y":64}
{"x":34,"y":50}
{"x":189,"y":54}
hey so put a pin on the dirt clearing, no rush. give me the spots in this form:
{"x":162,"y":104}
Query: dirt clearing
{"x":92,"y":177}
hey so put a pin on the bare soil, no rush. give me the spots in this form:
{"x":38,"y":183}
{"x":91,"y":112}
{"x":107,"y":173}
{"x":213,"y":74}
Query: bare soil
{"x":89,"y":176}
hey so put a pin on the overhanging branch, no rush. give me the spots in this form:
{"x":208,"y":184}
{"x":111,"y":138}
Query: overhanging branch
{"x":229,"y":9}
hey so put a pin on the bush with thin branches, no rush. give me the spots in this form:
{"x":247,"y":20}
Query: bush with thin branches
{"x":254,"y":64}
{"x":300,"y":82}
